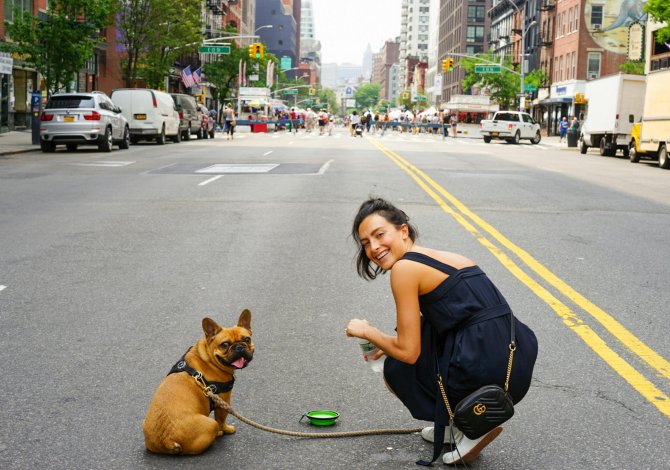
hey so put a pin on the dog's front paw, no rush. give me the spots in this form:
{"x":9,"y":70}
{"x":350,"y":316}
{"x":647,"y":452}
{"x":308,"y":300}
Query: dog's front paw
{"x":228,"y":429}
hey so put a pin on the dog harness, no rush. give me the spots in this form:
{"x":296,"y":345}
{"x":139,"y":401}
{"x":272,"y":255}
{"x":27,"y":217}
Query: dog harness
{"x":216,"y":387}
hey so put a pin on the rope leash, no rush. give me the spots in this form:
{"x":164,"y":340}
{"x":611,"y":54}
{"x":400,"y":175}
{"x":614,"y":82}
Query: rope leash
{"x":220,"y":403}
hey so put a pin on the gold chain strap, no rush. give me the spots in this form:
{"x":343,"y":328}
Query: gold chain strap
{"x":512,"y":348}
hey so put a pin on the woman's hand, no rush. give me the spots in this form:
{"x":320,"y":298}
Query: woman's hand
{"x":357,"y":328}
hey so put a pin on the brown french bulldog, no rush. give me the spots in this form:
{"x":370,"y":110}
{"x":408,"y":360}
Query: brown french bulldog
{"x":178,"y":419}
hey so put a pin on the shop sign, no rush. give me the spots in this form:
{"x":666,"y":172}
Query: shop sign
{"x":6,"y":63}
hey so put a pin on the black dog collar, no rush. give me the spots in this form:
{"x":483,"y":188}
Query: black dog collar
{"x":216,"y":387}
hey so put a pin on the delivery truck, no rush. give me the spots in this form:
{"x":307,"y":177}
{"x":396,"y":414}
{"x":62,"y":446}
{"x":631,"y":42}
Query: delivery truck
{"x":650,"y":137}
{"x":615,"y":103}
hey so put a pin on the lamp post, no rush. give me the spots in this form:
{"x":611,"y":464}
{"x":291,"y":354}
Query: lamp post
{"x":522,"y":53}
{"x":263,"y":27}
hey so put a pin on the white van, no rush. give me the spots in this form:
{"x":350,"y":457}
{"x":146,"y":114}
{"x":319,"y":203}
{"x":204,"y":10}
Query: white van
{"x":151,"y":114}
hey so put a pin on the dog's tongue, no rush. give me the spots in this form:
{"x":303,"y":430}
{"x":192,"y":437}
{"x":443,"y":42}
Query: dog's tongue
{"x":239,"y":363}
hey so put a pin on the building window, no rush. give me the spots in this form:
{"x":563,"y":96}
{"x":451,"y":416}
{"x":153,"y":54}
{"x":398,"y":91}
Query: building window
{"x":22,"y":5}
{"x":475,"y":34}
{"x":577,"y":18}
{"x":560,"y":69}
{"x":593,"y":68}
{"x":471,"y":50}
{"x":570,"y":20}
{"x":574,"y":65}
{"x":596,"y":16}
{"x":475,"y":14}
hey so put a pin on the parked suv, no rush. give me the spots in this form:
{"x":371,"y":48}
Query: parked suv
{"x":83,"y":119}
{"x":189,"y":116}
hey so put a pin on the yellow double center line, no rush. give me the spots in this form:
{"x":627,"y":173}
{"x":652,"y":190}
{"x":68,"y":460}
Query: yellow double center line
{"x":647,"y":389}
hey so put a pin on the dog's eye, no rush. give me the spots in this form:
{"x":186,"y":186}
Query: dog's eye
{"x":247,"y":340}
{"x":225,"y":345}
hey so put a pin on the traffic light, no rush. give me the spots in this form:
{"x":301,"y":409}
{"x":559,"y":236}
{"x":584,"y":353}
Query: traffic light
{"x":256,"y":50}
{"x":448,"y":65}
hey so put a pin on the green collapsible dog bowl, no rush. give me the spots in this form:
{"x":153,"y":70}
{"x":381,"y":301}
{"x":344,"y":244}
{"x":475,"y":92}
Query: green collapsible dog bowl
{"x":321,"y":417}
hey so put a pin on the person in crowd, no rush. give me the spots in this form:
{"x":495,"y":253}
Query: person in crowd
{"x":229,"y":114}
{"x":354,"y":120}
{"x":451,"y":319}
{"x":563,"y":129}
{"x":454,"y":125}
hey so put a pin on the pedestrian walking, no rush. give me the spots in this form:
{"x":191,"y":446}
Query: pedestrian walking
{"x":563,"y":129}
{"x":454,"y":124}
{"x":229,"y":114}
{"x":450,"y":317}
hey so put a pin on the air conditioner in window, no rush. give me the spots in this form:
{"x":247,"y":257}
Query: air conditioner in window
{"x":596,"y":27}
{"x":592,"y":75}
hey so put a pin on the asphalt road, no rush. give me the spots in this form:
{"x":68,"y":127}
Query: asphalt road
{"x":108,"y":263}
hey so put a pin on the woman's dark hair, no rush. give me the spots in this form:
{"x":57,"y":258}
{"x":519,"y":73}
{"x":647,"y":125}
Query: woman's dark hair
{"x":366,"y":268}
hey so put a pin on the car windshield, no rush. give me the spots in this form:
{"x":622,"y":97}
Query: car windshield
{"x":71,"y":102}
{"x":507,"y":117}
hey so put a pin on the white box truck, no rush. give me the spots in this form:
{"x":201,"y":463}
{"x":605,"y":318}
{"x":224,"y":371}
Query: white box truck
{"x":615,"y":103}
{"x":651,"y":137}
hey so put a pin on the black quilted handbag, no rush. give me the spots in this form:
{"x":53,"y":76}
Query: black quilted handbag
{"x":485,"y":408}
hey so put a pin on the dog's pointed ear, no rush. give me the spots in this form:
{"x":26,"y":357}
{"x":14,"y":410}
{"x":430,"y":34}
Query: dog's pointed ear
{"x":210,"y":327}
{"x":245,"y":319}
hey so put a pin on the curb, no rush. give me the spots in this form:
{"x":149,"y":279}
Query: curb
{"x":14,"y":152}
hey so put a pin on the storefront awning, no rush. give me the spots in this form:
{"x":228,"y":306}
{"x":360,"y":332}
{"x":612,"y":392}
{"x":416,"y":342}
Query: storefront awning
{"x":562,"y":100}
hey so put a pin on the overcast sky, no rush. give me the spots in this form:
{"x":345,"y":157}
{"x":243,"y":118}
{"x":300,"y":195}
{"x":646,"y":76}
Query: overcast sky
{"x":346,"y":27}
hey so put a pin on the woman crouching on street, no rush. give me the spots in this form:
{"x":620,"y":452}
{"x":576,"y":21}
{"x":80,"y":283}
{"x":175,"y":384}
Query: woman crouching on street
{"x":450,"y":318}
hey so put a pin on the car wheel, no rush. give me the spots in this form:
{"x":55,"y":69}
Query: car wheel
{"x":177,"y":138}
{"x":105,"y":144}
{"x":125,"y":142}
{"x":71,"y":147}
{"x":536,"y":140}
{"x":47,"y":147}
{"x":517,"y":138}
{"x":200,"y":134}
{"x":487,"y":139}
{"x":603,"y":150}
{"x":663,"y":160}
{"x":632,"y":153}
{"x":160,"y":140}
{"x":187,"y":133}
{"x":583,"y":148}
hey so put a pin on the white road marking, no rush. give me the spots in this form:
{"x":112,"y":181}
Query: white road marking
{"x":239,"y":168}
{"x":2,"y":288}
{"x":268,"y":153}
{"x":104,"y":163}
{"x":210,"y":180}
{"x":325,"y":166}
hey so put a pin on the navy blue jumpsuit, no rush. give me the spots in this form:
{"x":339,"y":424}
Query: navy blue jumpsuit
{"x":466,"y":328}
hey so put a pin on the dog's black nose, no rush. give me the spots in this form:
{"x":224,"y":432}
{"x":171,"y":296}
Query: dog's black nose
{"x":238,"y":348}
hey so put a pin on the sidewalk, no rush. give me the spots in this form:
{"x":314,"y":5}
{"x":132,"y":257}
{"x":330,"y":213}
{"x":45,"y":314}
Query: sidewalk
{"x":16,"y":142}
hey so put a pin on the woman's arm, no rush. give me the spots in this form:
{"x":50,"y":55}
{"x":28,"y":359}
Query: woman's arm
{"x":406,"y":346}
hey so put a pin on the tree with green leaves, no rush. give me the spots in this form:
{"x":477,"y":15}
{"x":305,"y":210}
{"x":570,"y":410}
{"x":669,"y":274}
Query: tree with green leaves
{"x":154,"y":33}
{"x":329,"y":100}
{"x":59,"y":44}
{"x":367,"y":95}
{"x":660,"y":11}
{"x":502,"y":86}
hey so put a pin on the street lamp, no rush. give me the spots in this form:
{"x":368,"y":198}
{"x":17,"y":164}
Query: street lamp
{"x":263,"y":27}
{"x":522,"y":54}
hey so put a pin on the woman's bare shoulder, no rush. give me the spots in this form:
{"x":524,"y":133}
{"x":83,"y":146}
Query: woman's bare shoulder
{"x":447,"y":257}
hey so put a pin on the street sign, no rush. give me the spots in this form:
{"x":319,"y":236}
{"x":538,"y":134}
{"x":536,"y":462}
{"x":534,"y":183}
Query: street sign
{"x":285,"y":62}
{"x":530,"y":88}
{"x":214,"y":49}
{"x":487,"y":68}
{"x":420,"y":98}
{"x":291,"y":91}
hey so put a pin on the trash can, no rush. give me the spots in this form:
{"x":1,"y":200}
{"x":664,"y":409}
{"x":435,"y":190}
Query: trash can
{"x":573,"y":137}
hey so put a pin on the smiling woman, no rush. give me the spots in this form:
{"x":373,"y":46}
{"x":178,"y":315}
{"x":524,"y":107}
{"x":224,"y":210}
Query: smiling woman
{"x":450,"y":318}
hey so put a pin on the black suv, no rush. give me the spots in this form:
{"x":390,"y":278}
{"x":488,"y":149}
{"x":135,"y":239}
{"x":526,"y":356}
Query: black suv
{"x":190,"y":120}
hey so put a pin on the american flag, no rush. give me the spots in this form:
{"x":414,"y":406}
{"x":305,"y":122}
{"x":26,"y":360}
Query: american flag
{"x":187,"y":77}
{"x":197,"y":75}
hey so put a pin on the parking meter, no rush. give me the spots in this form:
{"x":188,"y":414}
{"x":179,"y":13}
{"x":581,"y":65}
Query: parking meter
{"x":35,"y":111}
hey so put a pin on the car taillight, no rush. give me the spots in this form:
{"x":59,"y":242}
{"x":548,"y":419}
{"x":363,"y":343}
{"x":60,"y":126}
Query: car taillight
{"x":155,"y":103}
{"x":510,"y":127}
{"x":94,"y":116}
{"x":46,"y":117}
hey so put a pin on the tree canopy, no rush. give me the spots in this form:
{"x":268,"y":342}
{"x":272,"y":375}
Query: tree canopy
{"x":660,"y":11}
{"x":59,"y":43}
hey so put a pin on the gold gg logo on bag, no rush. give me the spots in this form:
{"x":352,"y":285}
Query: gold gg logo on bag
{"x":479,"y":409}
